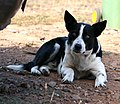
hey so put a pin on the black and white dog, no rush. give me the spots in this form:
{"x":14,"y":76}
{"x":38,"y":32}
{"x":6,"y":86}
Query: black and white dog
{"x":75,"y":56}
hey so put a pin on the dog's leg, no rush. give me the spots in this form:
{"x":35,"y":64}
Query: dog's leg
{"x":44,"y":55}
{"x":64,"y":68}
{"x":99,"y":72}
{"x":67,"y":74}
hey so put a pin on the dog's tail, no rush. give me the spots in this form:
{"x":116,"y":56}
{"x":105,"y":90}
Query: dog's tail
{"x":21,"y":67}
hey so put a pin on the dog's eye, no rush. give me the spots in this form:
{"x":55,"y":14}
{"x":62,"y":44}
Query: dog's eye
{"x":87,"y":37}
{"x":74,"y":34}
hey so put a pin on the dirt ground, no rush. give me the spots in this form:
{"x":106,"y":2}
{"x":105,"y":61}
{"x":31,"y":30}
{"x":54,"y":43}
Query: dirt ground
{"x":43,"y":20}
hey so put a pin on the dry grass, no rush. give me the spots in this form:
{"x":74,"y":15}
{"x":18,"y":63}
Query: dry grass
{"x":32,"y":20}
{"x":48,"y":12}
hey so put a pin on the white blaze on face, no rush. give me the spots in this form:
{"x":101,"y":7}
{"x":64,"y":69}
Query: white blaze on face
{"x":79,"y":40}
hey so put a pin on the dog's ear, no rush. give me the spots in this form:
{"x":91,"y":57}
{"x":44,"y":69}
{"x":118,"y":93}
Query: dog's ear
{"x":70,"y":21}
{"x":99,"y":27}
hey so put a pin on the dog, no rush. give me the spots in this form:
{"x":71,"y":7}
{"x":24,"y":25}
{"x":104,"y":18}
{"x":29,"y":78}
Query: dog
{"x":74,"y":57}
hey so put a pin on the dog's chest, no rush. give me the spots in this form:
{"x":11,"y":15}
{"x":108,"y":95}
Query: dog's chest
{"x":81,"y":62}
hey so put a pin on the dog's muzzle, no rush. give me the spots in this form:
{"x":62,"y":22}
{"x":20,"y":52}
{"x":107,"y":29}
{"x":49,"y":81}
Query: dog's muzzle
{"x":77,"y":48}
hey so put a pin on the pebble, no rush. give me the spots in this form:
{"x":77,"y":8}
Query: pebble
{"x":76,"y":97}
{"x":52,"y":84}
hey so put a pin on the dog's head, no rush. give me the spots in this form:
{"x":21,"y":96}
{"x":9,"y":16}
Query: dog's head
{"x":81,"y":36}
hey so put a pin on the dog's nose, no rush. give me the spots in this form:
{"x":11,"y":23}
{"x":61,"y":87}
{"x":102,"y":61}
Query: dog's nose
{"x":78,"y":47}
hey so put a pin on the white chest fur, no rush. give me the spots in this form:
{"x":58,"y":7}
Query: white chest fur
{"x":79,"y":62}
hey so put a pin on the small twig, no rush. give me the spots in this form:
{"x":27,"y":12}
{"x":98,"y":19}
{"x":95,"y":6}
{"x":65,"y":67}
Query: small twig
{"x":117,"y":79}
{"x":46,"y":86}
{"x":113,"y":68}
{"x":30,"y":53}
{"x":52,"y":96}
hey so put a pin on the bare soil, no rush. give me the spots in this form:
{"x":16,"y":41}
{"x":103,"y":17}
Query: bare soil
{"x":42,"y":21}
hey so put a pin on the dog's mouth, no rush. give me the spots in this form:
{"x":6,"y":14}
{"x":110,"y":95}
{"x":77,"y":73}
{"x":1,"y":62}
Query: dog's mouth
{"x":88,"y":52}
{"x":85,"y":53}
{"x":78,"y":51}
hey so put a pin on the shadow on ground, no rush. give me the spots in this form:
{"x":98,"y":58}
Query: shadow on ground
{"x":24,"y":88}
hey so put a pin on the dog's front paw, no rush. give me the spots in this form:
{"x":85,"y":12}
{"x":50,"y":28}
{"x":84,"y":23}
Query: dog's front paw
{"x":44,"y":70}
{"x":100,"y":81}
{"x":34,"y":70}
{"x":68,"y":76}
